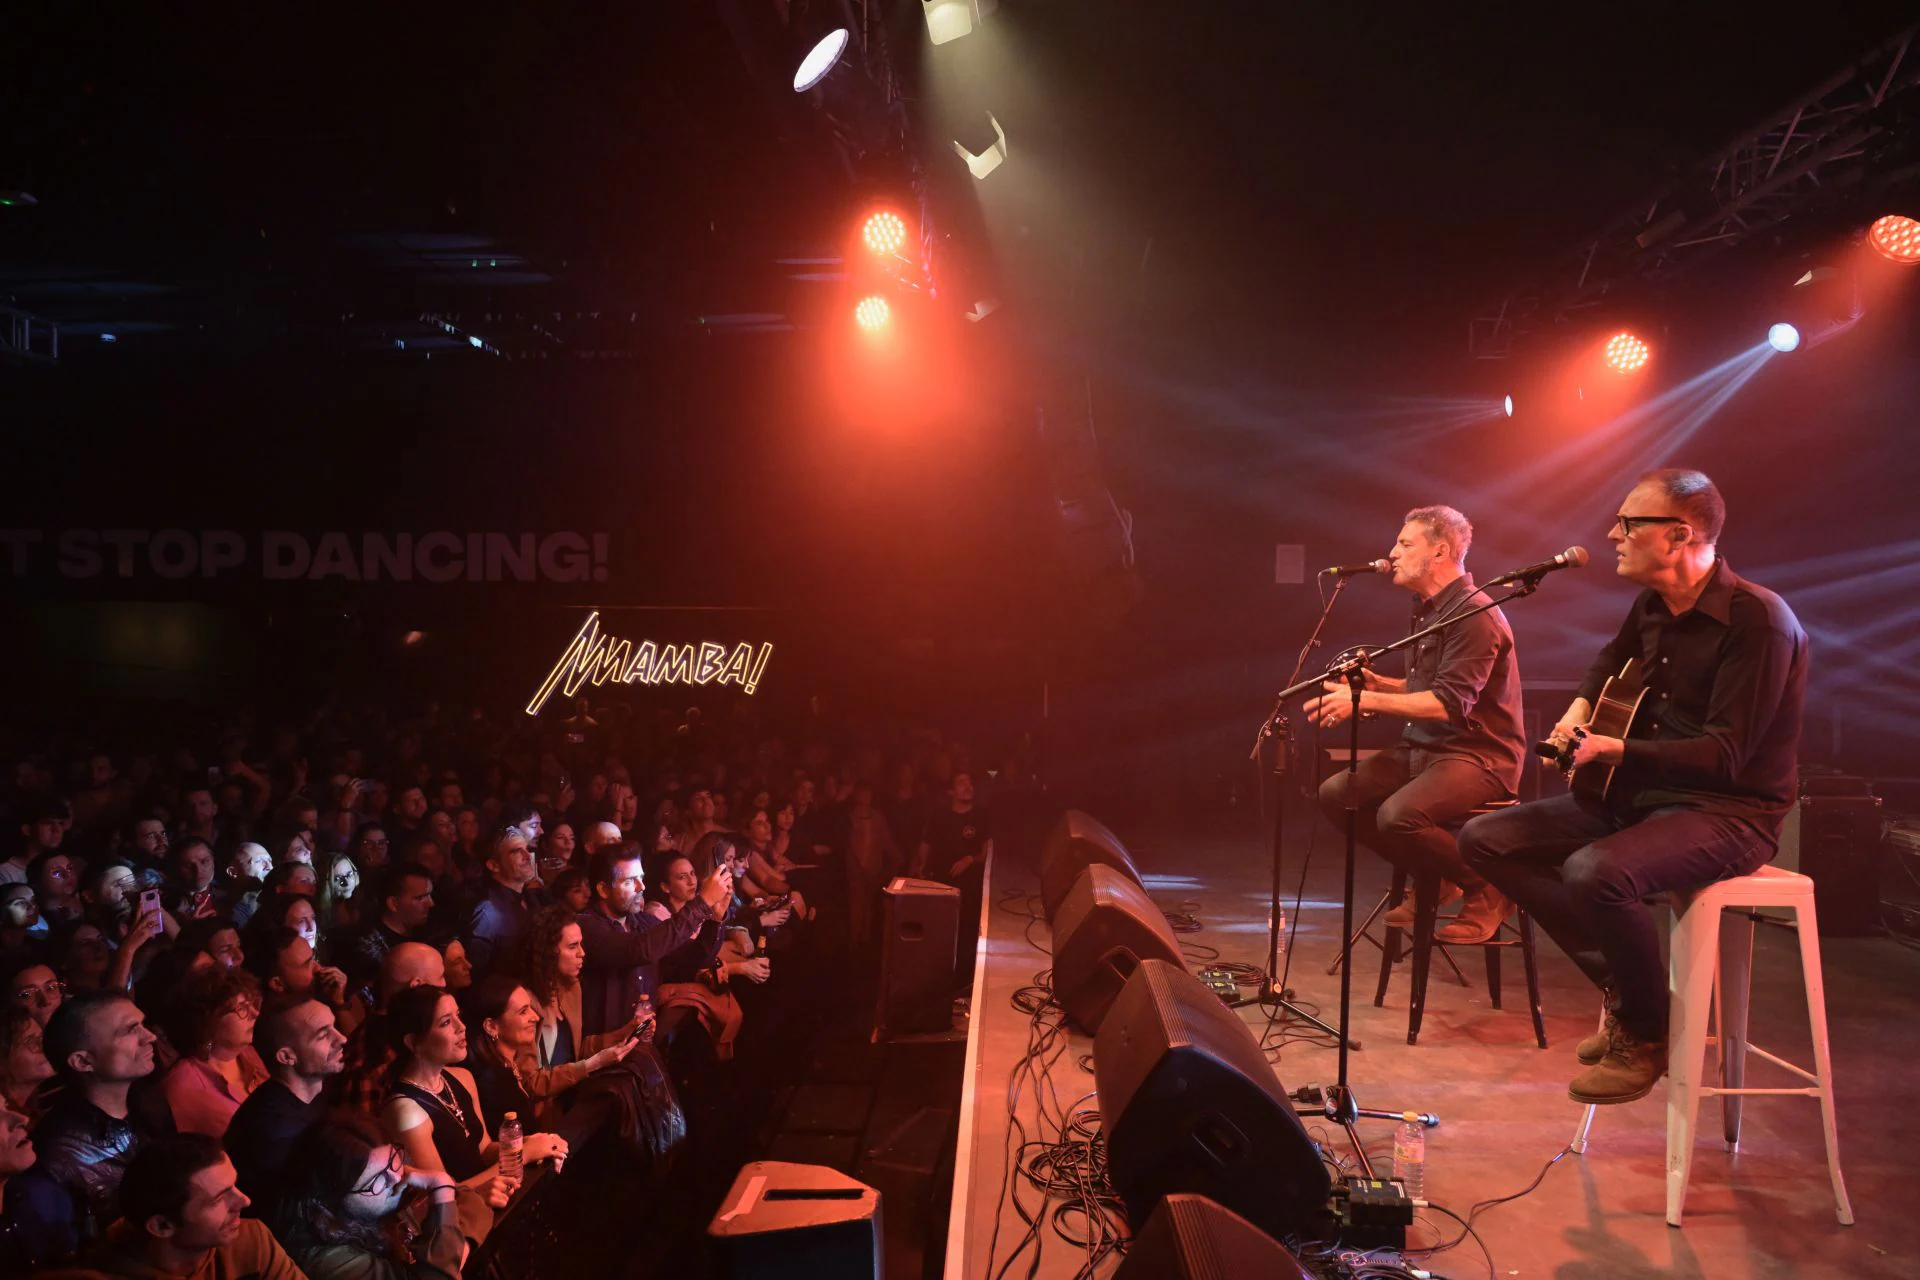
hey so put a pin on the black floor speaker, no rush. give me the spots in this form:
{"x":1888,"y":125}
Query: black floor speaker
{"x":1076,"y":843}
{"x":1105,"y":927}
{"x":922,"y":924}
{"x":1191,"y":1105}
{"x":1192,"y":1238}
{"x":794,"y":1221}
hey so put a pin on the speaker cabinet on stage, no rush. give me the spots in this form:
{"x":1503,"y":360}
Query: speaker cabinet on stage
{"x":1192,"y":1238}
{"x":1076,"y":843}
{"x":916,"y":957}
{"x":1105,"y":927}
{"x":794,"y":1221}
{"x":1191,"y":1105}
{"x":1840,"y":820}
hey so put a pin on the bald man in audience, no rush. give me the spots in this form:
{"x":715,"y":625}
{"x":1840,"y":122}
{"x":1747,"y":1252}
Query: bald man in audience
{"x":409,"y":964}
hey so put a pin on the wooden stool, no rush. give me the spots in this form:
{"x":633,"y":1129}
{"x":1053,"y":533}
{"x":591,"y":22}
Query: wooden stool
{"x":1710,"y":976}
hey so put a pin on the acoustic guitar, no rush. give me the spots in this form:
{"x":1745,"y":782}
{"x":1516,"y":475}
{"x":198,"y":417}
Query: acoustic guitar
{"x":1614,"y":713}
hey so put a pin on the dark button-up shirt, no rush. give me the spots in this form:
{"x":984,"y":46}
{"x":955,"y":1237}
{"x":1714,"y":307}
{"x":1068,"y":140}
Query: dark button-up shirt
{"x":622,"y":952}
{"x":1471,"y":668}
{"x":1719,"y":729}
{"x":496,"y":926}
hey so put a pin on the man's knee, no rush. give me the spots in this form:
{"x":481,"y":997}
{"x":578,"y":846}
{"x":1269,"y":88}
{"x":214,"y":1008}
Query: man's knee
{"x":1400,"y":817}
{"x":1596,"y":878}
{"x":1481,"y":840}
{"x":1333,"y":793}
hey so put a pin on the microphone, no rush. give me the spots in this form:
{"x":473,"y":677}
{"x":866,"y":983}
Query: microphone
{"x":1348,"y":570}
{"x":1571,"y":558}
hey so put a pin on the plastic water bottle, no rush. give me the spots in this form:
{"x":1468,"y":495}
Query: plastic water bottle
{"x":513,"y":1142}
{"x":1410,"y":1156}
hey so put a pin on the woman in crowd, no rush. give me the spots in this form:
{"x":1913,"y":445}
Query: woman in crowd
{"x":571,"y":890}
{"x":209,"y":1022}
{"x":23,"y":1062}
{"x":216,"y":939}
{"x":338,"y":902}
{"x":295,"y":878}
{"x":768,"y":870}
{"x":506,"y":1056}
{"x":466,"y":837}
{"x":698,"y":973}
{"x":340,"y":1218}
{"x":459,"y":967}
{"x":21,"y":930}
{"x":287,"y":911}
{"x":369,"y":849}
{"x":35,"y":987}
{"x":54,"y":887}
{"x":433,"y":1111}
{"x":556,"y":851}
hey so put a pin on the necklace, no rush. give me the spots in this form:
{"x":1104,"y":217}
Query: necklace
{"x":448,"y":1102}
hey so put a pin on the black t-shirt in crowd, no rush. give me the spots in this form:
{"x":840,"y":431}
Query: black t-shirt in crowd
{"x":952,"y":836}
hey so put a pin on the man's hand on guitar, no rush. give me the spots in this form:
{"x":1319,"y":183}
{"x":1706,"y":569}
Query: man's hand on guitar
{"x":1593,"y":748}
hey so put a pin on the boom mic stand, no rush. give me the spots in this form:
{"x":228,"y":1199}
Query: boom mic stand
{"x":1338,"y":1104}
{"x":1275,"y":727}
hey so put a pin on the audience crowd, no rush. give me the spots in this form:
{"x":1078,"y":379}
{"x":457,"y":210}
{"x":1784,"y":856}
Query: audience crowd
{"x":278,"y":1008}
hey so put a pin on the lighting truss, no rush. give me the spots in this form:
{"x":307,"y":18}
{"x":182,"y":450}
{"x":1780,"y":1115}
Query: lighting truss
{"x":1830,"y":139}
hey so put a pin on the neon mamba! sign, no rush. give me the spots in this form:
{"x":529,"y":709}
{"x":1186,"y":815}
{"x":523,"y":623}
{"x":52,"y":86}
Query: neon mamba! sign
{"x":596,"y":657}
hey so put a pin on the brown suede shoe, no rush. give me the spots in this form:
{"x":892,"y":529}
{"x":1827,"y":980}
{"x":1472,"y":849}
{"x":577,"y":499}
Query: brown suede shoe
{"x":1595,"y":1046}
{"x":1627,"y":1073}
{"x":1401,"y":917}
{"x":1479,"y":918}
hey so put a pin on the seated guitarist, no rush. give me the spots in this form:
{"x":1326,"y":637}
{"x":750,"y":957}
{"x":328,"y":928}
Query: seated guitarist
{"x":1705,"y":774}
{"x":1462,"y":744}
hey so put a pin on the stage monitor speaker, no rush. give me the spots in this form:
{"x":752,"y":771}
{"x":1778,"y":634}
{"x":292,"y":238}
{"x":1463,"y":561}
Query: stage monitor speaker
{"x":1191,"y":1105}
{"x":1105,"y":927}
{"x":1840,"y":848}
{"x":1076,"y":843}
{"x":797,"y":1220}
{"x":1192,"y":1238}
{"x":916,"y":956}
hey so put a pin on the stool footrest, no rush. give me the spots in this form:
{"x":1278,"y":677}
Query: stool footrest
{"x":1709,"y":1091}
{"x":1782,"y":1063}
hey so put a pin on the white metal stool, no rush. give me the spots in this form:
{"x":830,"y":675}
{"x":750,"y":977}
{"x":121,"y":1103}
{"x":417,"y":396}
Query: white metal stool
{"x":1709,"y":975}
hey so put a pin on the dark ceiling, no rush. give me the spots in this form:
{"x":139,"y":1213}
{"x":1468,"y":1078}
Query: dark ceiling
{"x":1230,"y":171}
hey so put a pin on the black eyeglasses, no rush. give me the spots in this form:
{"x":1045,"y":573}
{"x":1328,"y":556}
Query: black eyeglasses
{"x":395,"y":1171}
{"x":1627,"y":524}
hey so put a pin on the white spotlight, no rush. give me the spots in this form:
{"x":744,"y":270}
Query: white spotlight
{"x":989,"y":157}
{"x":819,"y":60}
{"x":1507,"y":404}
{"x":951,"y":19}
{"x":1783,"y":337}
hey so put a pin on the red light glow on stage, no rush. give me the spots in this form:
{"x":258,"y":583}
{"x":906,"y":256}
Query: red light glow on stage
{"x":1626,"y":353}
{"x":884,"y":232}
{"x":872,"y":313}
{"x":1896,"y":238}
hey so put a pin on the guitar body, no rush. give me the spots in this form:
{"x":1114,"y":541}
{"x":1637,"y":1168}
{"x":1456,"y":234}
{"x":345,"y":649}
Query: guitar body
{"x":1613,"y":715}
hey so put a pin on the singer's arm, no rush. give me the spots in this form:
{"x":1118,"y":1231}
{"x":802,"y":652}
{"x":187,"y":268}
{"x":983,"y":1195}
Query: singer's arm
{"x":1405,"y":706}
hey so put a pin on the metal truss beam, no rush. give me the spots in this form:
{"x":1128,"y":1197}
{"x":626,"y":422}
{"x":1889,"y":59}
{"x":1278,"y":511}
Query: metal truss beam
{"x":25,"y":337}
{"x":1829,"y":140}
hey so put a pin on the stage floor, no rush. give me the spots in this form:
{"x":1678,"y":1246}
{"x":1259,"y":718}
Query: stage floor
{"x":1766,"y":1211}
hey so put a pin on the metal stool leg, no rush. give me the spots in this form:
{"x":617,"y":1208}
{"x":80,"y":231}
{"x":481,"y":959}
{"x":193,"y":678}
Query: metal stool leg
{"x":1361,"y":933}
{"x":1390,"y":949}
{"x":1427,"y":909}
{"x":1732,"y":993}
{"x":1822,"y":1061}
{"x":1532,"y":966}
{"x":1493,"y":950}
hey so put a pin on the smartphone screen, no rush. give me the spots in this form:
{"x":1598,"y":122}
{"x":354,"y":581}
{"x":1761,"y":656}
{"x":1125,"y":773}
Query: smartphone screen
{"x":150,"y":902}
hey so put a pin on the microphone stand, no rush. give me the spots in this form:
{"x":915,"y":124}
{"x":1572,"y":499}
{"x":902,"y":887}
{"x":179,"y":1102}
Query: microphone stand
{"x":1275,"y":727}
{"x":1338,"y":1103}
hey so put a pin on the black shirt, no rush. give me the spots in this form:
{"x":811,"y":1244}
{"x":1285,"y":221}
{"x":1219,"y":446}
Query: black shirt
{"x":261,"y":1135}
{"x":1471,"y":668}
{"x":952,"y":836}
{"x":1719,"y":729}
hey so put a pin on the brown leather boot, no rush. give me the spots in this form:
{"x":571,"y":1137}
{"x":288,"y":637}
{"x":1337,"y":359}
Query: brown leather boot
{"x":1627,"y":1073}
{"x":1401,"y":917}
{"x":1479,"y":918}
{"x":1595,"y":1046}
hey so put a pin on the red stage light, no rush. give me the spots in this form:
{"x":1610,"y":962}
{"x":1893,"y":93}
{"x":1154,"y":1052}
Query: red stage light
{"x":1896,"y":238}
{"x":884,"y":232}
{"x":872,"y":313}
{"x":1626,"y":353}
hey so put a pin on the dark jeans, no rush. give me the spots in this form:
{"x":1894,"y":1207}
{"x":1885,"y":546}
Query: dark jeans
{"x":1409,"y":803}
{"x":1582,"y":876}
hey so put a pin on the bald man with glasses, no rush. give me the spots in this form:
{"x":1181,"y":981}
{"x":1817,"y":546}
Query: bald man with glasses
{"x":1704,"y":777}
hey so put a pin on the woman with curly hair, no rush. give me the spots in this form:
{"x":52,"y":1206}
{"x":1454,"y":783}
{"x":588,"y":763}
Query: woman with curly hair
{"x":341,"y":1219}
{"x":209,"y":1021}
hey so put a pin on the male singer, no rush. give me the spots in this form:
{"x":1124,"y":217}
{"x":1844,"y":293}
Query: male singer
{"x":1707,"y":772}
{"x":1462,"y":744}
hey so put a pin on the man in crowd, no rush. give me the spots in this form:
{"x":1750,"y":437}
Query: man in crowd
{"x":99,"y":1045}
{"x":409,"y":964}
{"x":41,"y":831}
{"x":302,"y":1048}
{"x":181,"y":1216}
{"x":406,"y":904}
{"x":147,"y":843}
{"x":699,"y":820}
{"x":1462,"y":744}
{"x":602,"y":835}
{"x":287,"y":969}
{"x":498,"y":920}
{"x":624,"y":942}
{"x":19,"y":1212}
{"x":954,"y":848}
{"x":201,"y":818}
{"x":409,"y":811}
{"x":1705,"y":775}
